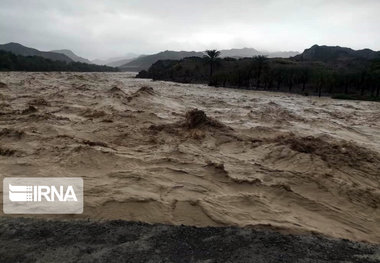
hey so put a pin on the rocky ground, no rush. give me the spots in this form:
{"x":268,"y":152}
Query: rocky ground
{"x":28,"y":240}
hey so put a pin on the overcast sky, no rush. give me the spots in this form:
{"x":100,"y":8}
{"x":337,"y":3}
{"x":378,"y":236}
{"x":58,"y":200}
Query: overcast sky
{"x":108,"y":28}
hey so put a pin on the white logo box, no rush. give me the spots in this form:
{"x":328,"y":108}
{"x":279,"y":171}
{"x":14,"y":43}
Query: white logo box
{"x":43,"y":195}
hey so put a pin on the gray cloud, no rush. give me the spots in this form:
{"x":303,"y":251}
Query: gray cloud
{"x":95,"y":28}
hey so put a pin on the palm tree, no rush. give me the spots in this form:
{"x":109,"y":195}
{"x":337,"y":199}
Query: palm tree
{"x":212,"y":55}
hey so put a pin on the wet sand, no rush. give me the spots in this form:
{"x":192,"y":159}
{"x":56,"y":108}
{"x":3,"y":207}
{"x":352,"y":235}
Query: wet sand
{"x":259,"y":159}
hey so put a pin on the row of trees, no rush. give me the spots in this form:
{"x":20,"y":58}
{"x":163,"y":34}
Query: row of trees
{"x":272,"y":74}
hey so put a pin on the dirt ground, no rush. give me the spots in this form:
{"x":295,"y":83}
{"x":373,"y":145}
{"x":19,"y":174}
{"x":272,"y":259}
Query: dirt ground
{"x":161,"y":152}
{"x":30,"y":240}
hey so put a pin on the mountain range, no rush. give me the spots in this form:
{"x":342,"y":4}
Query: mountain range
{"x":132,"y":62}
{"x":65,"y":55}
{"x":19,"y":49}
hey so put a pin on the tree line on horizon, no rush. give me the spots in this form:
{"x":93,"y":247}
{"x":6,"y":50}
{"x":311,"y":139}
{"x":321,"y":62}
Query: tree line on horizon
{"x":358,"y":79}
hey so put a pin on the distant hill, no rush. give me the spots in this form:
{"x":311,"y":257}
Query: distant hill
{"x":336,"y":53}
{"x":72,"y":55}
{"x":143,"y":63}
{"x":11,"y":62}
{"x":19,"y":49}
{"x":339,"y":58}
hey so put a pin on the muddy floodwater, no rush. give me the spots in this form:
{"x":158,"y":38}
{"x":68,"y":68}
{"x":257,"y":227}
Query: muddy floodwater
{"x":245,"y":158}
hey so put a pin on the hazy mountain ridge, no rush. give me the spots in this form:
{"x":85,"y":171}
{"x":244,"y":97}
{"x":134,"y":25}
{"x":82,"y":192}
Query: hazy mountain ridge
{"x":72,"y":55}
{"x":117,"y":61}
{"x":120,"y":62}
{"x":12,"y":62}
{"x":19,"y":49}
{"x":132,"y":61}
{"x":334,"y":55}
